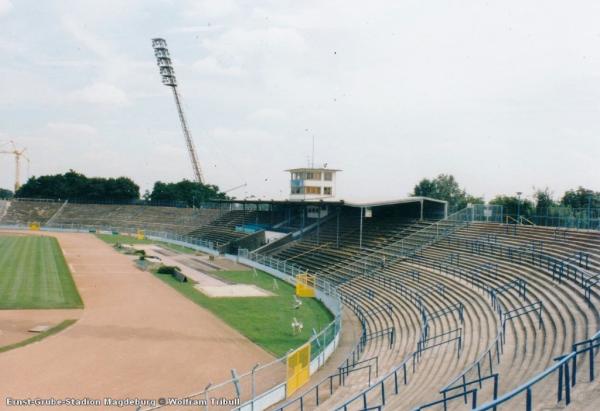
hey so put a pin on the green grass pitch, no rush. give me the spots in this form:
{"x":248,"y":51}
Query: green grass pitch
{"x":264,"y":320}
{"x":34,"y":274}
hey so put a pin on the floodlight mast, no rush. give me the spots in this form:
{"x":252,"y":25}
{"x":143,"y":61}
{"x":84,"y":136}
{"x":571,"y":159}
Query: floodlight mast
{"x":168,"y":79}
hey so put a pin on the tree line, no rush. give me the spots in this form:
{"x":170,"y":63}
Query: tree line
{"x":78,"y":187}
{"x":445,"y":187}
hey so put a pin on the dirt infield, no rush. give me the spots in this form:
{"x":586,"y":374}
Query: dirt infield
{"x":136,"y":338}
{"x":14,"y":324}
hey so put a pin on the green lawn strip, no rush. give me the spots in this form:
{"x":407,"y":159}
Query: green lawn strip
{"x":51,"y":331}
{"x":67,"y":284}
{"x":265,"y":321}
{"x":34,"y":274}
{"x":126,"y":239}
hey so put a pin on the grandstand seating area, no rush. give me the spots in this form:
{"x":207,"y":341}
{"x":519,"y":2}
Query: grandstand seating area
{"x":480,"y":301}
{"x":335,"y":242}
{"x":459,"y":274}
{"x":119,"y":217}
{"x":25,"y":212}
{"x":3,"y":208}
{"x":169,"y":219}
{"x":222,"y":230}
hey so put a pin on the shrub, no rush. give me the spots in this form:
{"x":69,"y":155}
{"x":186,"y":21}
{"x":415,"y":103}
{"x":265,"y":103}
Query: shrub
{"x":167,"y":269}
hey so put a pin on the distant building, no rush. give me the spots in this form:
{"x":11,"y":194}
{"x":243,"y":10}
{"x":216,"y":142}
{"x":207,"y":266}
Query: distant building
{"x":312,"y":183}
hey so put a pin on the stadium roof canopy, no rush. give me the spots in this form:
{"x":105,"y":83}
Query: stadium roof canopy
{"x":392,"y":202}
{"x":422,"y":206}
{"x":333,"y":201}
{"x":300,"y":169}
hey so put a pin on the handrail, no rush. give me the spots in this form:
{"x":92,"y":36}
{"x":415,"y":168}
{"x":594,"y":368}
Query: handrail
{"x":354,"y":364}
{"x":498,"y":340}
{"x":499,"y":309}
{"x":318,"y":247}
{"x":564,"y":382}
{"x":526,"y":219}
{"x":472,"y":391}
{"x":376,"y":383}
{"x":527,"y":386}
{"x":539,"y":257}
{"x":403,"y":364}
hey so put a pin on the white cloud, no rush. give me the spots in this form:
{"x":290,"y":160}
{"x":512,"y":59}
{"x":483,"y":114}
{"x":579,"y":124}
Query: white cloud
{"x":5,"y":7}
{"x":212,"y":67}
{"x":242,"y":44}
{"x":11,"y":46}
{"x":267,"y":115}
{"x":77,"y":29}
{"x":211,"y":9}
{"x":197,"y":29}
{"x":26,"y":87}
{"x":70,"y":130}
{"x":102,"y":94}
{"x":406,"y":89}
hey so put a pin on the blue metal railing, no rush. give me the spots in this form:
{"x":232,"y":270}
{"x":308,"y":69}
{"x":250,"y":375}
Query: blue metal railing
{"x":471,"y":392}
{"x":399,"y":375}
{"x":579,"y":259}
{"x":566,"y":369}
{"x":573,"y":267}
{"x":536,"y":307}
{"x":495,"y":348}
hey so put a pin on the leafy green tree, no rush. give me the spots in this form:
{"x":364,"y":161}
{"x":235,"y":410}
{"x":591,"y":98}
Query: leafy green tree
{"x":76,"y":186}
{"x":511,"y":205}
{"x":188,"y":192}
{"x":581,"y":198}
{"x":445,"y":187}
{"x":544,"y":201}
{"x":4,"y":193}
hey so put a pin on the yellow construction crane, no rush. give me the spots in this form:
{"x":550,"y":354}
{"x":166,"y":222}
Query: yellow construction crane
{"x":18,"y":154}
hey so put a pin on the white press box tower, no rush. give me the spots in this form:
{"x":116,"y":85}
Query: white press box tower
{"x":311,"y":183}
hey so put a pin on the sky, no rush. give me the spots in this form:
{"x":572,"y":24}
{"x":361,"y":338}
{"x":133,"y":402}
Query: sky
{"x":504,"y":95}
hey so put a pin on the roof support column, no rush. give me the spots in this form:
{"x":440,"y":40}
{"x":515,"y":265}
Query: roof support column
{"x":337,"y":229}
{"x":319,"y":227}
{"x":303,"y":220}
{"x":361,"y":229}
{"x":422,"y":201}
